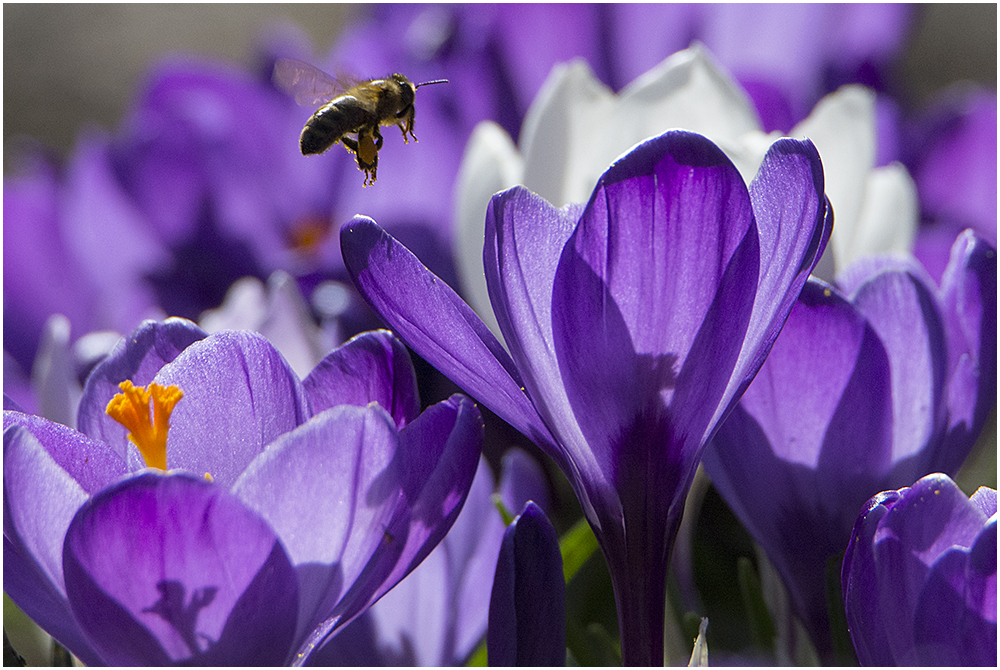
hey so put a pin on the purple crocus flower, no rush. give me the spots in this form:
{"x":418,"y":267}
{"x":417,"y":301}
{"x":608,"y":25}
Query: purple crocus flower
{"x":633,"y":323}
{"x":528,"y":600}
{"x":438,"y":614}
{"x":288,"y":508}
{"x":870,"y":385}
{"x":920,"y":577}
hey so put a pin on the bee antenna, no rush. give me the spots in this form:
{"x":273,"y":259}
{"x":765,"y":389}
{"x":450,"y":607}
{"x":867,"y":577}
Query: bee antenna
{"x":428,"y":83}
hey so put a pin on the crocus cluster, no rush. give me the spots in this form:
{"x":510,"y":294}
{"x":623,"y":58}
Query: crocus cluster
{"x":872,"y":384}
{"x":633,"y":324}
{"x":214,"y":509}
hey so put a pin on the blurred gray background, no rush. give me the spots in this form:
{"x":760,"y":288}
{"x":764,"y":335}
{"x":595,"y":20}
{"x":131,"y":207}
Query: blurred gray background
{"x":69,"y":65}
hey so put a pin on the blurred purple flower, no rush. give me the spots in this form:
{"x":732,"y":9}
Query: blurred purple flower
{"x":953,"y":157}
{"x":528,"y":599}
{"x":290,"y":506}
{"x":920,"y":577}
{"x":869,"y":386}
{"x":634,"y":324}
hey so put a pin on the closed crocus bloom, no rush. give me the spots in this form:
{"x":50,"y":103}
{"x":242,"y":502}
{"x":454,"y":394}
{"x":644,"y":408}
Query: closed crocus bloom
{"x":871,"y":385}
{"x":633,"y":323}
{"x":920,"y":577}
{"x":528,"y":603}
{"x":214,"y":509}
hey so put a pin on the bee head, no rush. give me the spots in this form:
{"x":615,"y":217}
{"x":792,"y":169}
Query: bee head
{"x":407,"y":90}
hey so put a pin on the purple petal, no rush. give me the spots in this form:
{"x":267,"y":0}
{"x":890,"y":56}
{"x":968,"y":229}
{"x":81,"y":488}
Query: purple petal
{"x":170,"y":568}
{"x":92,"y":464}
{"x":239,"y":396}
{"x":810,"y":440}
{"x":371,"y":367}
{"x":138,"y":358}
{"x":659,"y":275}
{"x":427,"y":314}
{"x":522,"y":479}
{"x":327,"y":490}
{"x":957,"y":609}
{"x":39,"y":500}
{"x":528,"y":602}
{"x":904,"y":314}
{"x":920,"y":577}
{"x":969,"y":298}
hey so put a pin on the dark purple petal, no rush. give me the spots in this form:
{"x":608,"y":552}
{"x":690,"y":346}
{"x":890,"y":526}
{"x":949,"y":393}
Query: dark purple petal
{"x":427,"y":314}
{"x":371,"y":367}
{"x":138,"y":358}
{"x":327,"y":489}
{"x":920,"y":578}
{"x":170,"y":568}
{"x":955,"y":618}
{"x":239,"y":396}
{"x":528,"y":601}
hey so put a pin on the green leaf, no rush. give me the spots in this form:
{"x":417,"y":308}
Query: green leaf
{"x":758,"y":617}
{"x":577,"y":545}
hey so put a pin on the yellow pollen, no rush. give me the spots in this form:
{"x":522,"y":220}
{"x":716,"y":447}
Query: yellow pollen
{"x":130,"y":408}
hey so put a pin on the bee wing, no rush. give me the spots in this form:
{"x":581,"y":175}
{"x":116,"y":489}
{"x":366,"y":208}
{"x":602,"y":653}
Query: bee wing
{"x":310,"y":85}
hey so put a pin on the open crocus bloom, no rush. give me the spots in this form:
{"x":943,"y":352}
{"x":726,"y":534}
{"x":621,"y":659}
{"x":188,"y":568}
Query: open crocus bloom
{"x":247,"y":517}
{"x":634,"y":323}
{"x":920,"y":577}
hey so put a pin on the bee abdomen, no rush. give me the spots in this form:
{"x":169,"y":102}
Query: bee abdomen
{"x":334,"y":120}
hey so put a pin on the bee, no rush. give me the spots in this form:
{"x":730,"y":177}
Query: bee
{"x":352,"y":114}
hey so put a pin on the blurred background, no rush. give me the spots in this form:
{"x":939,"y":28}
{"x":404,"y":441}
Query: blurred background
{"x":69,"y":65}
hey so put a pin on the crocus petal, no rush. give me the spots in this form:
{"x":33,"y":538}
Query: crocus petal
{"x":336,"y":463}
{"x":888,"y":218}
{"x":138,"y":358}
{"x":53,"y":375}
{"x":969,"y":296}
{"x":794,"y":222}
{"x":528,"y":601}
{"x":439,"y":326}
{"x":371,"y":367}
{"x":170,"y":568}
{"x":789,"y":455}
{"x":660,"y":273}
{"x":39,"y":501}
{"x":902,"y":311}
{"x":92,"y":464}
{"x":920,"y":576}
{"x":239,"y":395}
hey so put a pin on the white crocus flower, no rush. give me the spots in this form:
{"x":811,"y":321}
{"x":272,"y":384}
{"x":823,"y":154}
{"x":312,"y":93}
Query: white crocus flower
{"x":576,"y":127}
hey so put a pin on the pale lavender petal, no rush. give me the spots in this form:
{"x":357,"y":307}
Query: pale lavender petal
{"x":371,"y":367}
{"x":170,"y":568}
{"x":39,"y":502}
{"x":424,"y":491}
{"x":138,"y":358}
{"x":92,"y":464}
{"x":239,"y":396}
{"x":340,"y":465}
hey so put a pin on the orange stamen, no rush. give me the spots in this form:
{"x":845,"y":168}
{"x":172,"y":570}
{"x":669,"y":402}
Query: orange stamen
{"x":130,"y":408}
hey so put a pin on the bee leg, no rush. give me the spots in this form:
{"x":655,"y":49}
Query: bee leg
{"x":351,"y":145}
{"x":367,"y":154}
{"x":405,"y":124}
{"x":378,"y":139}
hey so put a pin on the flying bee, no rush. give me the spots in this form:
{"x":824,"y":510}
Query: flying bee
{"x":352,"y":114}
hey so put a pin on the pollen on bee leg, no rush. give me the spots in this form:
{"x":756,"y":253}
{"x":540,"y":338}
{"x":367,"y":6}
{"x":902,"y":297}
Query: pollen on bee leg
{"x":147,"y":430}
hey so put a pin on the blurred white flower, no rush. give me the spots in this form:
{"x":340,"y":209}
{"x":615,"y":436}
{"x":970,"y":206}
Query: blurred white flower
{"x":577,"y":127}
